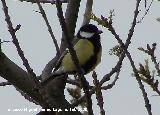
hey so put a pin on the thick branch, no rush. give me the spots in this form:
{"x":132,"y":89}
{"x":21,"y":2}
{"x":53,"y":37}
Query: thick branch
{"x":88,"y":12}
{"x":71,"y":16}
{"x":19,"y":78}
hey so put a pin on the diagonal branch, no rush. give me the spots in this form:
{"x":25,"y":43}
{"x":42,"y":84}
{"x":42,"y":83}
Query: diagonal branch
{"x":128,"y":41}
{"x":71,"y":16}
{"x":147,"y":104}
{"x":146,"y":12}
{"x":108,"y":24}
{"x":109,"y":86}
{"x":19,"y":78}
{"x":141,"y":86}
{"x":74,"y":57}
{"x":48,"y":26}
{"x":32,"y":82}
{"x":47,"y":70}
{"x":114,"y":70}
{"x":16,"y":43}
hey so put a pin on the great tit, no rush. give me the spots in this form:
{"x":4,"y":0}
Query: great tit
{"x":88,"y":50}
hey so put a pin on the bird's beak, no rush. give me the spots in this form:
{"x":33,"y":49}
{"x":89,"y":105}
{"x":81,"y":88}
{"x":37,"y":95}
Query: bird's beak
{"x":99,"y":32}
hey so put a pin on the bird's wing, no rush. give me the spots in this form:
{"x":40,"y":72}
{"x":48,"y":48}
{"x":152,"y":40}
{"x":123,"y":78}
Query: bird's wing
{"x":60,"y":60}
{"x":75,"y":40}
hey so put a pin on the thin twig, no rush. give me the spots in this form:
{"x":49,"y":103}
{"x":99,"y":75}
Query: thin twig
{"x":16,"y":43}
{"x":146,"y":12}
{"x":128,"y":41}
{"x":92,"y":91}
{"x":148,"y":78}
{"x":146,"y":100}
{"x":119,"y":63}
{"x":153,"y":58}
{"x":5,"y":83}
{"x":99,"y":95}
{"x":48,"y":26}
{"x":4,"y":41}
{"x":114,"y":70}
{"x":21,"y":54}
{"x":131,"y":31}
{"x":109,"y":86}
{"x":74,"y":58}
{"x":151,"y":51}
{"x":71,"y":16}
{"x":125,"y":46}
{"x":105,"y":78}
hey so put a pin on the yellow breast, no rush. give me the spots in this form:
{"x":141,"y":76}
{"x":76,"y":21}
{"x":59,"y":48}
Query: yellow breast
{"x":84,"y":50}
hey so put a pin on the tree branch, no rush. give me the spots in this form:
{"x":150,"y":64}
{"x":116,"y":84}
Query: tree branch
{"x":19,"y":78}
{"x":128,"y":41}
{"x":146,"y":12}
{"x":74,"y":57}
{"x":5,"y":83}
{"x":48,"y":26}
{"x":71,"y":16}
{"x":88,"y":11}
{"x":99,"y":95}
{"x":49,"y":67}
{"x":141,"y":86}
{"x":56,"y":84}
{"x":11,"y":66}
{"x":109,"y":86}
{"x":16,"y":43}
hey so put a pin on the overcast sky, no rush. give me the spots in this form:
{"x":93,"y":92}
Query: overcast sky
{"x":125,"y":98}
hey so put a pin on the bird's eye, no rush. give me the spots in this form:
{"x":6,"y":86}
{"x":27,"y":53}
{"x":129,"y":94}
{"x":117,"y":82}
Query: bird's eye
{"x":86,"y":34}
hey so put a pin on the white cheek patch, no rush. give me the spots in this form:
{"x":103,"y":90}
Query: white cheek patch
{"x":86,"y":34}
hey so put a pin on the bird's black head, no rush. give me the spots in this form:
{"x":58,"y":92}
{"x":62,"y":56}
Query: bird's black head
{"x":88,"y":31}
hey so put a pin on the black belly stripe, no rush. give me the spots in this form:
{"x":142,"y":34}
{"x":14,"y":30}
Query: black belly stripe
{"x":89,"y":64}
{"x":92,"y":61}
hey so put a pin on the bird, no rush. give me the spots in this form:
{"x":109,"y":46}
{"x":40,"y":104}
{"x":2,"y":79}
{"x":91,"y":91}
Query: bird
{"x":88,"y":50}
